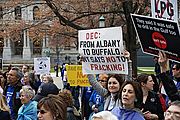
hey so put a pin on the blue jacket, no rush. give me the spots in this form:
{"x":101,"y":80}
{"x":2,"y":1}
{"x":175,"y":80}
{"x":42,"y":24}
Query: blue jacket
{"x":127,"y":114}
{"x":96,"y":99}
{"x":28,"y":111}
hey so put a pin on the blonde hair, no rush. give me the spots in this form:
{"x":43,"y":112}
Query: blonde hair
{"x":3,"y":103}
{"x":104,"y":115}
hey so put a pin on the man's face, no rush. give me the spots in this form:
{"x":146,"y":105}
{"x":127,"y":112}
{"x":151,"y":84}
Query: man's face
{"x":176,"y":73}
{"x":12,"y":77}
{"x":103,"y":79}
{"x":24,"y":69}
{"x":172,"y":113}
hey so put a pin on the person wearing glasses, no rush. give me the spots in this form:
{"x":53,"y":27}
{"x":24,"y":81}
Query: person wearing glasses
{"x":173,"y":112}
{"x":96,"y":101}
{"x":172,"y":88}
{"x":28,"y":111}
{"x":52,"y":107}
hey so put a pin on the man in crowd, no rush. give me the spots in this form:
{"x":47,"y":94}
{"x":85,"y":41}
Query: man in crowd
{"x":11,"y":91}
{"x":173,"y":112}
{"x":25,"y":68}
{"x":172,"y":88}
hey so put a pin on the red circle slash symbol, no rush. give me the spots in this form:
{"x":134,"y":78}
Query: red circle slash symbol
{"x":159,"y":40}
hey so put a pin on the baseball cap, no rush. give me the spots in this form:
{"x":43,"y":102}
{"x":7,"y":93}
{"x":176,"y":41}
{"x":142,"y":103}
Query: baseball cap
{"x":45,"y":89}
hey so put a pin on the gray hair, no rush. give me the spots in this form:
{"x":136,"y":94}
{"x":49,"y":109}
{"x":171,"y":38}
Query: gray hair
{"x":104,"y":115}
{"x":28,"y":91}
{"x":176,"y":103}
{"x":18,"y":72}
{"x":49,"y":78}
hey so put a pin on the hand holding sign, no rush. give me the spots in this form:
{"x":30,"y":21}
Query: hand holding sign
{"x":163,"y":61}
{"x":127,"y":54}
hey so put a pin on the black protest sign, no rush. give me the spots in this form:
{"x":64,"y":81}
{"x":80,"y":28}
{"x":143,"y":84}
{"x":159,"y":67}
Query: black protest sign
{"x":158,"y":34}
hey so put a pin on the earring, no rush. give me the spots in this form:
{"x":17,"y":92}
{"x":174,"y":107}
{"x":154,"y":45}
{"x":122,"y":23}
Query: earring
{"x":135,"y":100}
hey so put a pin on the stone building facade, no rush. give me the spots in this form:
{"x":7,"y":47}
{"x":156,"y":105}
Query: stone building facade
{"x":25,"y":49}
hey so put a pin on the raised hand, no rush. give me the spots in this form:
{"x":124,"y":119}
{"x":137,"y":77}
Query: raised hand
{"x":163,"y":61}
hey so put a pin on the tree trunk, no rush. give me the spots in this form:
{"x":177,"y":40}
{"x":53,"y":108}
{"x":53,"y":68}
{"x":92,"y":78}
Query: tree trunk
{"x":131,"y":36}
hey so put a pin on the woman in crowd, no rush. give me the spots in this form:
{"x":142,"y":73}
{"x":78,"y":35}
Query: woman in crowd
{"x":152,"y":107}
{"x":2,"y":82}
{"x":4,"y":109}
{"x":26,"y":80}
{"x":52,"y":107}
{"x":131,"y":98}
{"x":110,"y":95}
{"x":28,"y":111}
{"x":47,"y":78}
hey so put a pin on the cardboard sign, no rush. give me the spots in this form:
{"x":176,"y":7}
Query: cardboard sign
{"x":102,"y":50}
{"x":166,"y":9}
{"x":75,"y":76}
{"x":158,"y":35}
{"x":42,"y":65}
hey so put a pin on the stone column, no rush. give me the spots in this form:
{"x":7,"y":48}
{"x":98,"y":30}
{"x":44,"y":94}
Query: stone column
{"x":26,"y":47}
{"x":7,"y":49}
{"x":45,"y":49}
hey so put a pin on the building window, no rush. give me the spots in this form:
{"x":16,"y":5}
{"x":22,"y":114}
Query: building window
{"x":1,"y":12}
{"x":18,"y":13}
{"x":37,"y":47}
{"x":18,"y":47}
{"x":67,"y":45}
{"x":36,"y":13}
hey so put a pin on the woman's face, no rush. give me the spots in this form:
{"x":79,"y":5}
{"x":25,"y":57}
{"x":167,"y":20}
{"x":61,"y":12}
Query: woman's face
{"x":24,"y":98}
{"x":113,"y":85}
{"x":26,"y":78}
{"x":44,"y":114}
{"x":149,"y":84}
{"x":128,"y":95}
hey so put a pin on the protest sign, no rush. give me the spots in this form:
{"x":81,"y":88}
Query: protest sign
{"x":102,"y":51}
{"x":158,"y":35}
{"x":42,"y":65}
{"x":75,"y":76}
{"x":166,"y":9}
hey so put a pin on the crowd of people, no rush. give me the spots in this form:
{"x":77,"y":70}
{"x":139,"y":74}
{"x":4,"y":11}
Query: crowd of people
{"x":27,"y":96}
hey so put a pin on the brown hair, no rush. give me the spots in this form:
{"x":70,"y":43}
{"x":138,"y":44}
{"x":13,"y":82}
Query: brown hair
{"x":67,"y":96}
{"x":56,"y":105}
{"x":143,"y":78}
{"x":137,"y":90}
{"x":118,"y":77}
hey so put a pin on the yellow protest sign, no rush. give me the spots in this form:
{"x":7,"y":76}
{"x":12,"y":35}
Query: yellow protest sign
{"x":75,"y":76}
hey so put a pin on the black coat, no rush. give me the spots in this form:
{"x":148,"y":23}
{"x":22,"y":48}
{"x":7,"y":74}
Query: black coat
{"x":16,"y":101}
{"x":153,"y":105}
{"x":4,"y":115}
{"x":169,"y":86}
{"x":70,"y":114}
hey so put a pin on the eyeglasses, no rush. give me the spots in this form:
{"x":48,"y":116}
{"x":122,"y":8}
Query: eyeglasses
{"x":41,"y":111}
{"x":173,"y":68}
{"x":176,"y":115}
{"x":102,"y":81}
